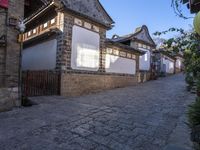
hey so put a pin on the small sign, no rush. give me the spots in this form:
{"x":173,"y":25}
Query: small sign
{"x":2,"y":40}
{"x":4,"y":3}
{"x":12,"y":21}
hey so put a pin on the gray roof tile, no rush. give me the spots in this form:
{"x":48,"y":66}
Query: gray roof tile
{"x":90,"y":8}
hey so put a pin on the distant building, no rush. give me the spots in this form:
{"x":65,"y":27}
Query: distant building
{"x":141,"y":40}
{"x":167,"y":63}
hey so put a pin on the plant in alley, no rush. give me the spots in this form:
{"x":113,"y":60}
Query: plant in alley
{"x":194,"y":120}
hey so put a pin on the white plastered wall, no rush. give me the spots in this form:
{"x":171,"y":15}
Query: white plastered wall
{"x":40,"y":57}
{"x":145,"y":60}
{"x":169,"y":65}
{"x":85,"y":49}
{"x":116,"y":64}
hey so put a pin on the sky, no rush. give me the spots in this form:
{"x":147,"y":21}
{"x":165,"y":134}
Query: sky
{"x":158,"y":15}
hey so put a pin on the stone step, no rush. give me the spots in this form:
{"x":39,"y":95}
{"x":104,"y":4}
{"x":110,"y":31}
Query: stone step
{"x":176,"y":147}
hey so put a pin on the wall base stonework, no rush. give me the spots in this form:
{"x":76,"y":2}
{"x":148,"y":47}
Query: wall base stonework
{"x":82,"y":84}
{"x":8,"y":98}
{"x":144,"y":76}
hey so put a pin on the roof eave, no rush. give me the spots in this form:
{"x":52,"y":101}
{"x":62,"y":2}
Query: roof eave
{"x":108,"y":26}
{"x":131,"y":49}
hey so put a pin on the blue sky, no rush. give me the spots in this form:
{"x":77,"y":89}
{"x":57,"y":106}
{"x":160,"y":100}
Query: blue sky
{"x":158,"y":15}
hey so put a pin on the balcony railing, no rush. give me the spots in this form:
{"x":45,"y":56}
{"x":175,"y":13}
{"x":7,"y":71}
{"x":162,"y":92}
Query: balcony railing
{"x":41,"y":29}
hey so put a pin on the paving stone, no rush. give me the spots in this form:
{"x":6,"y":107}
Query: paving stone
{"x":81,"y":131}
{"x":148,"y":116}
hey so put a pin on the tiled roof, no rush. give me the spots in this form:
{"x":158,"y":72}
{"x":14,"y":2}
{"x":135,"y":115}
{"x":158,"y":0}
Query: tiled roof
{"x":127,"y":47}
{"x":134,"y":35}
{"x":90,"y":8}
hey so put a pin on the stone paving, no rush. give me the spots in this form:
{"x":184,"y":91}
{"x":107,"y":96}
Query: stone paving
{"x":150,"y":116}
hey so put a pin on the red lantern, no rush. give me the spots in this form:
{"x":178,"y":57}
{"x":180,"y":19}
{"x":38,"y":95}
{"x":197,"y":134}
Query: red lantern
{"x":4,"y":3}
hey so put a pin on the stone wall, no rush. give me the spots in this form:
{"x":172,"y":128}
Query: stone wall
{"x":9,"y":55}
{"x":178,"y":70}
{"x":144,"y":76}
{"x":7,"y":98}
{"x":3,"y":31}
{"x":80,"y":84}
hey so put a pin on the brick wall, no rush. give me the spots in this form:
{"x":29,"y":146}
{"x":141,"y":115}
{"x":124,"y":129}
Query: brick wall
{"x":9,"y":55}
{"x":13,"y":47}
{"x":80,"y":84}
{"x":2,"y":49}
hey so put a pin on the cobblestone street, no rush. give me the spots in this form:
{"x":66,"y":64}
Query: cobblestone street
{"x":149,"y":116}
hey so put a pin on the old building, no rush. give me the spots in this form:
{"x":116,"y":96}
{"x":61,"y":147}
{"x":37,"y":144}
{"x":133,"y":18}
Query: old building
{"x":141,"y":40}
{"x":68,"y":38}
{"x":10,"y":12}
{"x":165,"y":62}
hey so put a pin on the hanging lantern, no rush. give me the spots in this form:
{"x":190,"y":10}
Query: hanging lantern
{"x":197,"y":23}
{"x":4,"y":3}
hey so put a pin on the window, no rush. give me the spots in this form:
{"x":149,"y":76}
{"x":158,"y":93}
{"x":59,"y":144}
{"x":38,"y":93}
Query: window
{"x":85,"y":49}
{"x":45,"y":25}
{"x":34,"y":31}
{"x":53,"y":21}
{"x":29,"y":33}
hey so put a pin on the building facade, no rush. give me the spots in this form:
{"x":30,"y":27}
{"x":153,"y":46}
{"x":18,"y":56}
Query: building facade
{"x":69,"y":37}
{"x":10,"y":12}
{"x":165,"y":62}
{"x":141,"y":40}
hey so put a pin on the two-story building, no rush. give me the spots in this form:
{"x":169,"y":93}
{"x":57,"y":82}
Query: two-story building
{"x":68,"y":37}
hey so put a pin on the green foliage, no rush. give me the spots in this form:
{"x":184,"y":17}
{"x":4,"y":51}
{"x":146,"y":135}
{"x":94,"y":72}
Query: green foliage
{"x":197,"y":23}
{"x":189,"y":44}
{"x":198,"y":85}
{"x":190,"y":81}
{"x":194,"y":113}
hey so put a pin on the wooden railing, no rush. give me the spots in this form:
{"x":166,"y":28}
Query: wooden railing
{"x":41,"y":29}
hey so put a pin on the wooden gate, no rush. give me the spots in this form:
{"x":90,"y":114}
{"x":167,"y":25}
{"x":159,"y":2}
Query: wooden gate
{"x":40,"y":83}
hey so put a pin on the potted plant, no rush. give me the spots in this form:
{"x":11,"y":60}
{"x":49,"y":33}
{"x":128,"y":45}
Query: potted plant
{"x":198,"y":88}
{"x":194,"y":122}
